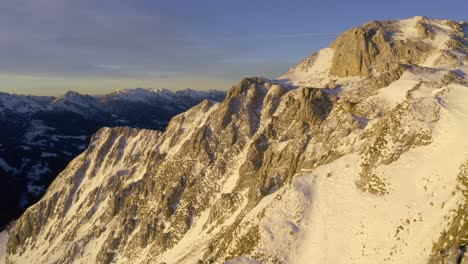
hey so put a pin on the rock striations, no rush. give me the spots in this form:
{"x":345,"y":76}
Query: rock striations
{"x":356,"y":155}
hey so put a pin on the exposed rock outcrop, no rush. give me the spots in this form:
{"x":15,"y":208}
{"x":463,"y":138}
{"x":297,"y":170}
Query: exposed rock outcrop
{"x":364,"y":51}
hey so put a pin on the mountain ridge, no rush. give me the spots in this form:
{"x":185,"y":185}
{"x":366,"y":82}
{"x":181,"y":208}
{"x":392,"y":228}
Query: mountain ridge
{"x":42,"y":103}
{"x":369,"y":162}
{"x":41,"y":135}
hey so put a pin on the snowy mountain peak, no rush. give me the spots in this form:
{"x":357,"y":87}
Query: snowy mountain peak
{"x":142,"y":91}
{"x":22,"y":104}
{"x":72,"y":96}
{"x":379,"y":51}
{"x":76,"y":102}
{"x":141,"y":94}
{"x":359,"y":154}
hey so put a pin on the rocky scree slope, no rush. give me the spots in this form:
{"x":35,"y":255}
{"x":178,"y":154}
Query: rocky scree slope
{"x":353,"y":162}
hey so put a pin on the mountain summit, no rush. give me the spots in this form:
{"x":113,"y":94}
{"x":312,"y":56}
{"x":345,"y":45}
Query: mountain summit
{"x":356,"y":155}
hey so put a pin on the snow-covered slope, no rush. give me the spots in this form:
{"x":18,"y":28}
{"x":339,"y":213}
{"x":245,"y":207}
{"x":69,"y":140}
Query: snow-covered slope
{"x":39,"y":136}
{"x":369,"y":166}
{"x":22,"y":104}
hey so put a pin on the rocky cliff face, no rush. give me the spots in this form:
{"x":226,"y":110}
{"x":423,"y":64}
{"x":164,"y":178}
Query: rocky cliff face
{"x":338,"y":163}
{"x":41,"y":135}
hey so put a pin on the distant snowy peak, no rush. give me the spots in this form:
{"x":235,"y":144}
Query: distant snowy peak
{"x":73,"y":99}
{"x":139,"y":94}
{"x":22,"y":104}
{"x":147,"y":95}
{"x":86,"y":106}
{"x":72,"y":96}
{"x":196,"y":94}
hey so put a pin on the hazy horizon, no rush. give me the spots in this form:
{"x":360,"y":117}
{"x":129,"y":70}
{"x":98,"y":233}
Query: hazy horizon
{"x":51,"y":46}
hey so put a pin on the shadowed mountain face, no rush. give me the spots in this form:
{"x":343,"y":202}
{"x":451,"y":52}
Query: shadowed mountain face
{"x":39,"y":136}
{"x":356,"y":155}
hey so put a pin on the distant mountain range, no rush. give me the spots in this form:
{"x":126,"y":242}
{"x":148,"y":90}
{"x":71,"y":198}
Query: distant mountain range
{"x":39,"y":135}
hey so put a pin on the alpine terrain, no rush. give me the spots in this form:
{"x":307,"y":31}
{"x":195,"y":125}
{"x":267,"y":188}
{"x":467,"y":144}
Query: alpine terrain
{"x":359,"y":154}
{"x":41,"y":135}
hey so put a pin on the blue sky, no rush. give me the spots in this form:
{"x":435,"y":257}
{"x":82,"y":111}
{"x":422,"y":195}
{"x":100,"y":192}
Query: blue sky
{"x":95,"y":46}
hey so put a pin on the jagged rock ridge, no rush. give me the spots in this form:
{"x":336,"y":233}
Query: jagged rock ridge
{"x":41,"y":135}
{"x":352,"y":158}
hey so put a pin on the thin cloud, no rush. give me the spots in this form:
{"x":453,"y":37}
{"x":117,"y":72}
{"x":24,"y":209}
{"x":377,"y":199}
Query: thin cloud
{"x":269,"y":36}
{"x":84,"y":38}
{"x":307,"y":34}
